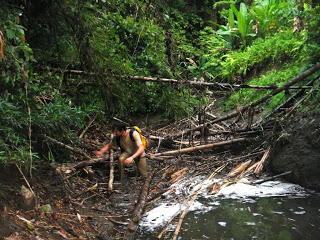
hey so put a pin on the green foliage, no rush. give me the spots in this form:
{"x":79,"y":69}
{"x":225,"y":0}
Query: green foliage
{"x":280,"y":47}
{"x":180,"y":105}
{"x":259,"y":20}
{"x":312,"y":21}
{"x":272,"y":15}
{"x":16,"y":53}
{"x":113,"y":39}
{"x":274,"y":77}
{"x":213,"y":47}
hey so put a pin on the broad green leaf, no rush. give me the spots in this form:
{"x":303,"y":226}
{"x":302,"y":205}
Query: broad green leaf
{"x":10,"y":34}
{"x":234,"y":9}
{"x":242,"y":25}
{"x":258,"y":11}
{"x":231,"y":19}
{"x":243,"y":9}
{"x":224,"y":28}
{"x":221,"y":32}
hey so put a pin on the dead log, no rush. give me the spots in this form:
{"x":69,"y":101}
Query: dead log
{"x":214,"y":85}
{"x":194,"y":81}
{"x":192,"y":149}
{"x":242,"y":109}
{"x":136,"y":215}
{"x":91,"y":162}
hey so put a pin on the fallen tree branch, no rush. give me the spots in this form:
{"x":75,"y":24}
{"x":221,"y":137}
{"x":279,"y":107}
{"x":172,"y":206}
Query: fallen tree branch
{"x":136,"y":215}
{"x":192,"y":149}
{"x":290,"y":100}
{"x":242,"y":109}
{"x":153,"y":157}
{"x":91,"y":162}
{"x":215,"y":85}
{"x":67,"y":147}
{"x":84,"y":131}
{"x":194,"y":81}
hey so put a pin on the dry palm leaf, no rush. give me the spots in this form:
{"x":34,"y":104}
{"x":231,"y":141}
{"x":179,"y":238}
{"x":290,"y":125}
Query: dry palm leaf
{"x":182,"y":171}
{"x":239,"y":169}
{"x":260,"y":163}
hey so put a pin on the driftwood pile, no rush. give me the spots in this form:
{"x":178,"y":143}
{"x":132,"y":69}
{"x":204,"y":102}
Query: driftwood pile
{"x":205,"y":143}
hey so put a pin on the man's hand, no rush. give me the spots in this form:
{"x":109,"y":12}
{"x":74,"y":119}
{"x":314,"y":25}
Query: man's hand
{"x":129,"y":160}
{"x":98,"y":153}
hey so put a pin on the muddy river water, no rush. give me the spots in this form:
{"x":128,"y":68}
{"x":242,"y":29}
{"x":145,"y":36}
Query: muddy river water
{"x":272,"y":210}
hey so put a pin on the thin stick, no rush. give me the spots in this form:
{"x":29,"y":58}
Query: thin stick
{"x":25,"y":179}
{"x":176,"y":232}
{"x":29,"y":130}
{"x":168,"y":223}
{"x":110,"y":187}
{"x":83,"y":132}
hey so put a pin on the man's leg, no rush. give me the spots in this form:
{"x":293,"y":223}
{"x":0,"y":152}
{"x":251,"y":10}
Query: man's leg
{"x":122,"y":157}
{"x":142,"y":167}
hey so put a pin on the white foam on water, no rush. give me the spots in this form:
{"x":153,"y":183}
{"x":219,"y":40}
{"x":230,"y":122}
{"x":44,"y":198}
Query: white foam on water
{"x":268,"y":189}
{"x":160,"y":215}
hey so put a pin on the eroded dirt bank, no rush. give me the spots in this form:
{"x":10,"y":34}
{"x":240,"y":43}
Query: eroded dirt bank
{"x":298,"y":150}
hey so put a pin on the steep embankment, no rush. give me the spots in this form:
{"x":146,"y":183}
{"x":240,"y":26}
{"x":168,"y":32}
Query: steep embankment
{"x":298,"y":150}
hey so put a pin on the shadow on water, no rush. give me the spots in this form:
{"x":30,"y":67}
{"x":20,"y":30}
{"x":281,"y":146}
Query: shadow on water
{"x":284,"y":218}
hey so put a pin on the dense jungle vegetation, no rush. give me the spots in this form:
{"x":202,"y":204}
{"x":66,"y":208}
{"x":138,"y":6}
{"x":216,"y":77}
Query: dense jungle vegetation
{"x":65,"y":61}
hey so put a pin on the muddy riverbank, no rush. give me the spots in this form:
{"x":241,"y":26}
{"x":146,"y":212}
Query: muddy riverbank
{"x":78,"y":204}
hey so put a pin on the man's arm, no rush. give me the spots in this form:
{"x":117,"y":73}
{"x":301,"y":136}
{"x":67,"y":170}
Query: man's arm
{"x":103,"y":150}
{"x":140,"y":150}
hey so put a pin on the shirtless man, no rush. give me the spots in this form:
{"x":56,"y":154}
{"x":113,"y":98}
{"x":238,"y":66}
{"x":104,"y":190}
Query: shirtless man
{"x":131,"y":151}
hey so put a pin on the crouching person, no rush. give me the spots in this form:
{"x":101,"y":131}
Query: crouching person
{"x":132,"y":149}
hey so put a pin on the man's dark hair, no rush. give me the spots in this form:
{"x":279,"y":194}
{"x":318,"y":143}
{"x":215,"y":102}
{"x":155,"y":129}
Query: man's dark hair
{"x":119,"y":126}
